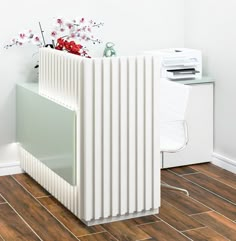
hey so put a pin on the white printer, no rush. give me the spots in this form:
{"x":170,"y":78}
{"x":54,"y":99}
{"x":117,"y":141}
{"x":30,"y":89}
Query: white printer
{"x":179,"y":63}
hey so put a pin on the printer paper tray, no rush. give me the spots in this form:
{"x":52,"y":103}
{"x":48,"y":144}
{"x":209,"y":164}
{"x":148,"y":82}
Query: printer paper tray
{"x":181,"y":73}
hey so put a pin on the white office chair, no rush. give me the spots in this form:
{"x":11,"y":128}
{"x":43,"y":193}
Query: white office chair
{"x":173,"y":126}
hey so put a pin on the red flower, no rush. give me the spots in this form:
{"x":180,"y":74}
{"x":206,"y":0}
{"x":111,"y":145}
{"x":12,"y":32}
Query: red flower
{"x":72,"y":43}
{"x":60,"y":41}
{"x":66,"y":44}
{"x":59,"y":47}
{"x":71,"y":47}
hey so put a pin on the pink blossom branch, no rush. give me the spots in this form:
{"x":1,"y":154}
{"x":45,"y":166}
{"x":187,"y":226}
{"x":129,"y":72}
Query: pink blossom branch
{"x":41,"y":30}
{"x":97,"y":25}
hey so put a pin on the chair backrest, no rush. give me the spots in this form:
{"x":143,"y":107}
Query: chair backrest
{"x":174,"y":99}
{"x":173,"y":103}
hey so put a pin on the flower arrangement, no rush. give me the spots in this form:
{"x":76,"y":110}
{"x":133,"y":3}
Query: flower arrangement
{"x":64,"y":35}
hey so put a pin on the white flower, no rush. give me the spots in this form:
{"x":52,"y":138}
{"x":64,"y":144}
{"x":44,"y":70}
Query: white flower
{"x":36,"y":40}
{"x":60,"y":21}
{"x":54,"y":34}
{"x":22,"y":37}
{"x":73,"y":35}
{"x":70,"y":24}
{"x":72,"y":29}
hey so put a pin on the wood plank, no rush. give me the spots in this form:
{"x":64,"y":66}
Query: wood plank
{"x":220,"y":174}
{"x":98,"y":237}
{"x":2,"y":199}
{"x":213,"y":185}
{"x":67,"y":218}
{"x":126,"y":230}
{"x":218,"y":223}
{"x":146,"y":219}
{"x":204,"y":234}
{"x":150,"y":239}
{"x":12,"y":226}
{"x":201,"y":195}
{"x":182,"y":202}
{"x":183,"y":170}
{"x":161,"y":231}
{"x":176,"y":218}
{"x":33,"y":212}
{"x":31,"y":185}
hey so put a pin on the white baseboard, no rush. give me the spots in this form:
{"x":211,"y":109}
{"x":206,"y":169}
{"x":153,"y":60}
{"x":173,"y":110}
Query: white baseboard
{"x":224,"y":162}
{"x":10,"y":168}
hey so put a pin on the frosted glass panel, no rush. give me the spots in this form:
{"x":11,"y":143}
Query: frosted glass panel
{"x":47,"y":130}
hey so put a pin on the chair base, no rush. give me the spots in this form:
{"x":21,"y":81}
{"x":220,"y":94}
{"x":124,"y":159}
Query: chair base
{"x":175,"y":188}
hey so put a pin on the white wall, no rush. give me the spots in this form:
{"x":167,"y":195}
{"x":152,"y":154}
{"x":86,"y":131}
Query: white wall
{"x":210,"y":26}
{"x":132,"y":24}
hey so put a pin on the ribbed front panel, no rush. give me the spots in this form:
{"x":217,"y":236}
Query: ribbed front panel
{"x":58,"y":187}
{"x":59,"y":76}
{"x":120,"y":136}
{"x":118,"y":154}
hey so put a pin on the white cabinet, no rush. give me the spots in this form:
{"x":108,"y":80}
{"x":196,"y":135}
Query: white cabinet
{"x":199,"y":116}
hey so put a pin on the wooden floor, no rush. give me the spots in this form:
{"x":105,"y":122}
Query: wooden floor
{"x":28,"y":212}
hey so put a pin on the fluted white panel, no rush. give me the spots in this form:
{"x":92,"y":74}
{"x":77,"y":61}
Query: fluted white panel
{"x":58,"y":187}
{"x":140,"y":133}
{"x":156,"y":174}
{"x":148,"y":132}
{"x":132,"y":129}
{"x":87,"y":116}
{"x":123,"y":136}
{"x":106,"y":138}
{"x":115,"y":126}
{"x":98,"y":139}
{"x":59,"y":76}
{"x":117,"y":102}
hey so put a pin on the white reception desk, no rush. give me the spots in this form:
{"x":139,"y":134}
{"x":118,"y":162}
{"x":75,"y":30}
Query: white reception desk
{"x":95,"y":134}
